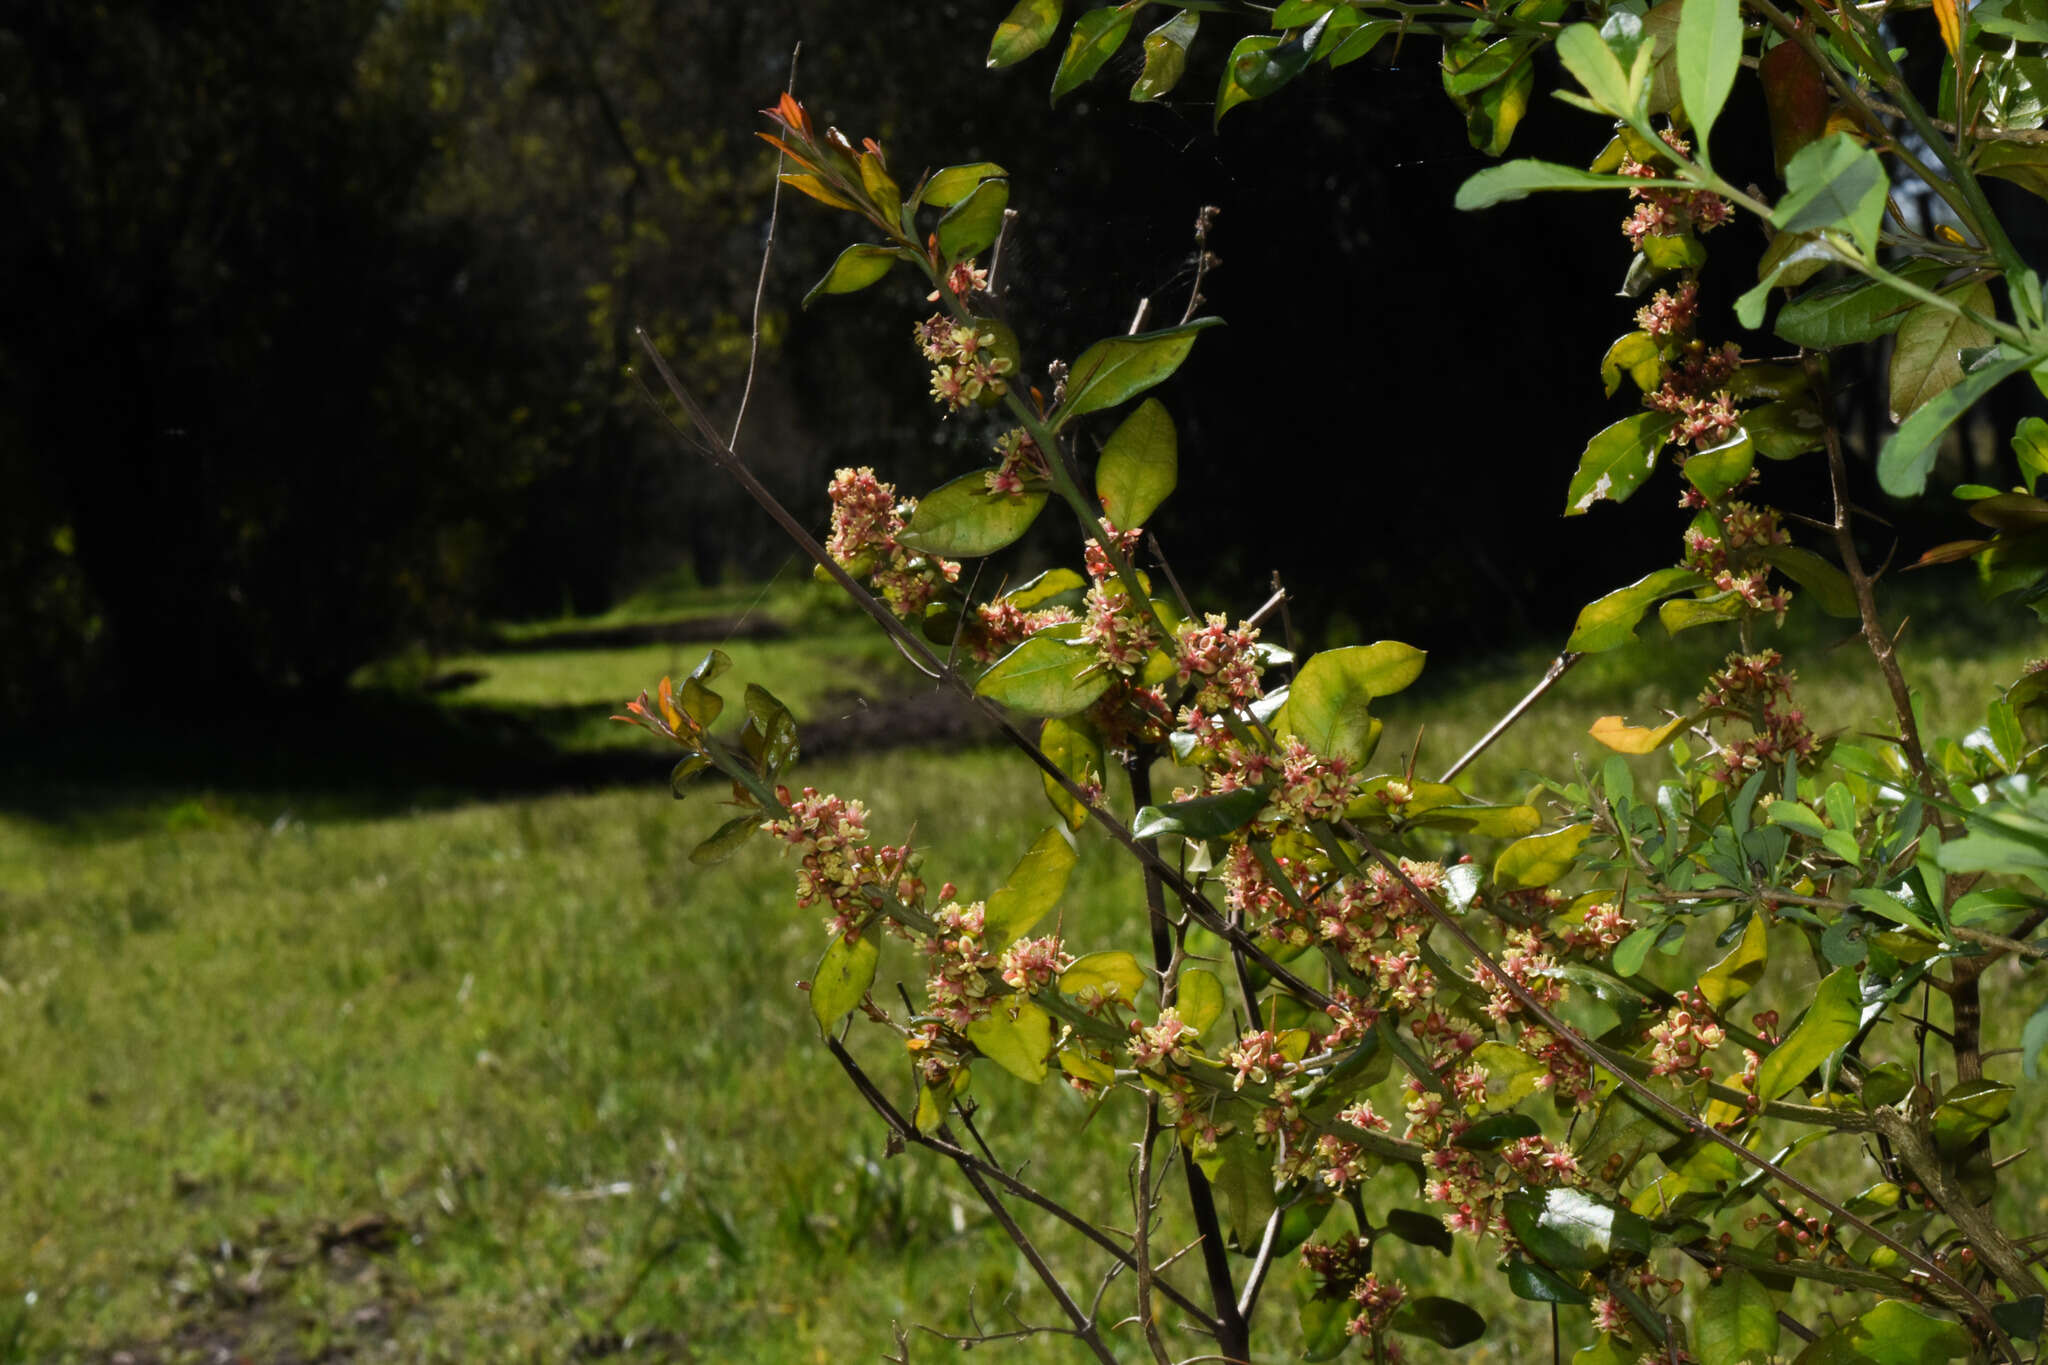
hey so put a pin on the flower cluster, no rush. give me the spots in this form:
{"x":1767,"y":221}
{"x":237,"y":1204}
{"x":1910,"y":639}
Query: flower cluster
{"x":1165,"y":1040}
{"x":1254,"y":1057}
{"x":837,"y":865}
{"x":1757,"y":688}
{"x":966,"y":361}
{"x":1695,"y":393}
{"x":1032,"y":964}
{"x":1598,"y":930}
{"x":957,"y":973}
{"x":866,"y":520}
{"x":1669,"y":313}
{"x":1023,"y":463}
{"x":1728,"y":559}
{"x":1681,"y":1040}
{"x":1223,"y":657}
{"x":1670,"y":213}
{"x":1002,"y":625}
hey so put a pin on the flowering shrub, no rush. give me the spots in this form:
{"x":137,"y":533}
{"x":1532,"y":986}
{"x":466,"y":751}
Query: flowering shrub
{"x":1320,"y":995}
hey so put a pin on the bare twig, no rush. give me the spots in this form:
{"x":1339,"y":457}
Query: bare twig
{"x":1559,"y":666}
{"x":761,"y":284}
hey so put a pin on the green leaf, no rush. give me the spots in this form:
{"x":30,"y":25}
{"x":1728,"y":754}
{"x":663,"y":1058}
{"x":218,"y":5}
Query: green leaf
{"x":1611,"y":622}
{"x":1892,"y":1333}
{"x":1017,"y":1036}
{"x":1829,"y":585}
{"x":1854,"y":310}
{"x":1050,"y":674}
{"x":2023,"y":163}
{"x":1034,"y":887}
{"x":1119,"y":368}
{"x":2033,"y":1038}
{"x":1199,"y":999}
{"x":1829,"y":1022}
{"x":1540,"y":859}
{"x":1028,"y":28}
{"x":2030,"y":448}
{"x":1709,"y":54}
{"x":1569,"y":1230}
{"x":2026,"y":20}
{"x":1717,"y":470}
{"x":1685,"y":613}
{"x":1539,"y":1284}
{"x":1511,"y":1074}
{"x":1835,"y":184}
{"x":843,"y":976}
{"x":1204,"y":817}
{"x":859,"y":266}
{"x":1617,"y":460}
{"x":963,"y":519}
{"x":1076,"y":750}
{"x":726,"y":839}
{"x":1419,"y":1229}
{"x":1514,"y":180}
{"x":1361,"y":41}
{"x":1906,"y":458}
{"x":1095,"y":38}
{"x":1493,"y":822}
{"x":1786,"y":429}
{"x":1587,"y":56}
{"x":1329,"y":704}
{"x":1925,"y":360}
{"x":949,"y":186}
{"x":2021,"y":1319}
{"x":1446,"y":1322}
{"x":1259,"y":70}
{"x":1166,"y":56}
{"x":1495,"y":1131}
{"x":1971,"y":1109}
{"x":971,"y":226}
{"x":1735,"y":1322}
{"x":1633,"y":951}
{"x":1324,"y":1328}
{"x":1139,"y":466}
{"x":1115,"y":974}
{"x":1635,"y":355}
{"x":1244,"y":1187}
{"x":1042,"y":589}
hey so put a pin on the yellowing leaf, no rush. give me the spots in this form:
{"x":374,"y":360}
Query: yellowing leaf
{"x":1730,"y":979}
{"x":1016,"y":1036}
{"x":1618,"y":735}
{"x":1540,"y":859}
{"x":1949,"y":18}
{"x":1111,"y":973}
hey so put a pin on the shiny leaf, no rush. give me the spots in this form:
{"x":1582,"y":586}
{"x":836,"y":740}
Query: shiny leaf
{"x":1076,"y":750}
{"x":843,"y":976}
{"x":1034,"y":887}
{"x":1514,"y":180}
{"x":1446,"y":1322}
{"x":1017,"y":1036}
{"x":1925,"y":355}
{"x":1905,"y":459}
{"x":963,"y":519}
{"x":1050,"y":674}
{"x":1203,"y":817}
{"x":1095,"y":38}
{"x":1829,"y":1022}
{"x":1115,"y":974}
{"x":1139,"y":466}
{"x":1119,"y":368}
{"x":1836,"y":184}
{"x":971,"y":226}
{"x":1569,"y":1230}
{"x":949,"y":186}
{"x":1166,"y":56}
{"x":859,"y":266}
{"x":1616,"y":461}
{"x":1611,"y":622}
{"x":1027,"y":28}
{"x":1539,"y":860}
{"x":1709,"y":54}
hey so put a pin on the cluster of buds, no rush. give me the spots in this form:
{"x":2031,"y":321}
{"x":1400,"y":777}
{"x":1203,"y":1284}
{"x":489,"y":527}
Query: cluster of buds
{"x":1311,"y":787}
{"x":1566,"y":1072}
{"x":1671,"y":313}
{"x":1695,"y":392}
{"x":1681,"y":1040}
{"x":1376,"y":921}
{"x":867,"y":517}
{"x":1123,"y":638}
{"x":1376,"y":1304}
{"x":1670,"y":213}
{"x":967,"y":360}
{"x":1758,"y":689}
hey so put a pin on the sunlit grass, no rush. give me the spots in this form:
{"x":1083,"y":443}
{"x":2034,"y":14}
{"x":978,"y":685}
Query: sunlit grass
{"x":575,"y":1068}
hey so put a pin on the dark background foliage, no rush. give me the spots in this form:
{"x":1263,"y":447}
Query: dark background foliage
{"x":320,"y":319}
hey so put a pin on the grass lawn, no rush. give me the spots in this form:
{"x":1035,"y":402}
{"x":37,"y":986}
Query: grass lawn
{"x":501,"y":1075}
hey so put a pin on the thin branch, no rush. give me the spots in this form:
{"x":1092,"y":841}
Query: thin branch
{"x":1690,"y":1123}
{"x":1559,"y":666}
{"x":761,"y":284}
{"x":960,"y":1156}
{"x":709,"y":443}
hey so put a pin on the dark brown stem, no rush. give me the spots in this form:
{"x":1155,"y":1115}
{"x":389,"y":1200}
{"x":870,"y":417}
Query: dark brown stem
{"x":709,"y":443}
{"x":907,"y":1131}
{"x":1874,"y":635}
